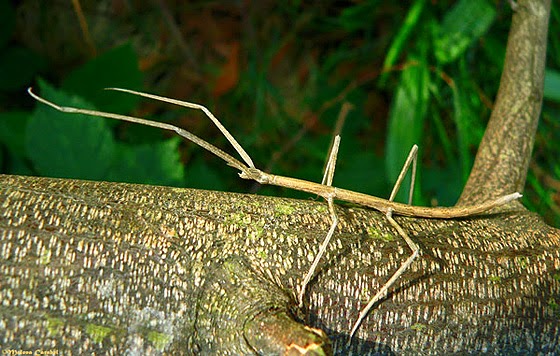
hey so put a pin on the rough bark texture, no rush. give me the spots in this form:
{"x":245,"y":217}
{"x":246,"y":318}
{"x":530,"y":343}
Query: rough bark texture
{"x":503,"y":157}
{"x":116,"y":268}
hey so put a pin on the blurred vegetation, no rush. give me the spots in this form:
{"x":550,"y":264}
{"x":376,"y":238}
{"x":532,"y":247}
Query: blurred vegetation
{"x":277,"y":74}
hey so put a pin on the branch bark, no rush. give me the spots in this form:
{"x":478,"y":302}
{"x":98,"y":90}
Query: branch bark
{"x":115,"y":268}
{"x":504,"y":154}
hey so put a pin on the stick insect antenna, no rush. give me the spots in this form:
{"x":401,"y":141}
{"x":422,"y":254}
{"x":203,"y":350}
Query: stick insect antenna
{"x":211,"y":116}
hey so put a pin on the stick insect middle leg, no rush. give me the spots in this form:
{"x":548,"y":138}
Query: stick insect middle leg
{"x":327,"y":180}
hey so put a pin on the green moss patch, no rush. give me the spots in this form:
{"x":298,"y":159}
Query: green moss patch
{"x":97,"y":332}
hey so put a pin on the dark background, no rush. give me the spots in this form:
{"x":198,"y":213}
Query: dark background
{"x":277,"y":74}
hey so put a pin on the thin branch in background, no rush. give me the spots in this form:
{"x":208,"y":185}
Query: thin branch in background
{"x":549,"y":182}
{"x":342,"y":115}
{"x":84,"y":27}
{"x":276,"y":156}
{"x":176,"y":33}
{"x":363,"y":79}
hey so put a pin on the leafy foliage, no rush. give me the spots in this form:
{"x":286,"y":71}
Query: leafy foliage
{"x":60,"y":145}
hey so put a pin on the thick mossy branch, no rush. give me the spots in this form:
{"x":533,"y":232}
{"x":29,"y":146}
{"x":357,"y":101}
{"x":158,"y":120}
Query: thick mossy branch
{"x":116,"y":268}
{"x":504,"y":154}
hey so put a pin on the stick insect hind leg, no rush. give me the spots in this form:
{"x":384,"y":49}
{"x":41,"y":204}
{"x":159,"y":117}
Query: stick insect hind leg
{"x":412,"y":158}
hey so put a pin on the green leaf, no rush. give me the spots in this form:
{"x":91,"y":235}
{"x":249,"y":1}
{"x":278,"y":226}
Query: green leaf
{"x":552,"y":85}
{"x":68,"y":145}
{"x":115,"y":68}
{"x":461,"y":27}
{"x":155,"y":163}
{"x":406,"y":119}
{"x":466,"y":114}
{"x":402,"y":36}
{"x":12,"y":130}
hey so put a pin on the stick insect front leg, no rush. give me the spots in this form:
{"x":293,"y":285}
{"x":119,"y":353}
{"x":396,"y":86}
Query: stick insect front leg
{"x":412,"y":158}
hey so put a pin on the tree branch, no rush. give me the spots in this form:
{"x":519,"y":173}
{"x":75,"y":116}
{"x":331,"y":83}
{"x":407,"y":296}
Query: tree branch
{"x":504,"y":154}
{"x":108,"y":268}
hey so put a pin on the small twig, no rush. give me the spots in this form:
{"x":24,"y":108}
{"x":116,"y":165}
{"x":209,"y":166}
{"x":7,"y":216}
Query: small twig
{"x":176,"y":33}
{"x":547,"y":179}
{"x":84,"y":26}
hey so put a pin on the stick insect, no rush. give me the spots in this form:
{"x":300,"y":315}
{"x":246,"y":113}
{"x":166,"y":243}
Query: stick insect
{"x":324,"y":189}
